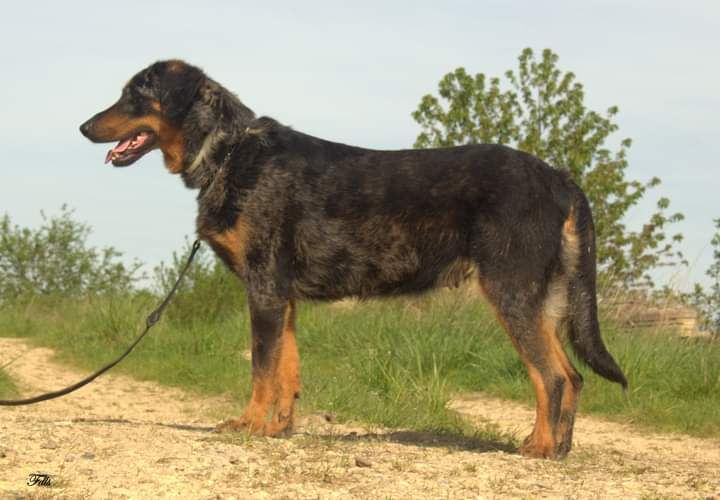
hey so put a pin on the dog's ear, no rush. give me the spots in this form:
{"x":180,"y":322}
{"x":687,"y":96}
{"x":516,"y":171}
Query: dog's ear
{"x":179,"y":85}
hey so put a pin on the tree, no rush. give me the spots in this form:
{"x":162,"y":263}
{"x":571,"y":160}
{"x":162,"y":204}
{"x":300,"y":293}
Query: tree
{"x":540,"y":110}
{"x":56,"y":259}
{"x":708,"y":302}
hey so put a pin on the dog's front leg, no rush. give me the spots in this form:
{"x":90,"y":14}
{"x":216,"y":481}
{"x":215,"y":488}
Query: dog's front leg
{"x":287,"y":378}
{"x":268,"y":318}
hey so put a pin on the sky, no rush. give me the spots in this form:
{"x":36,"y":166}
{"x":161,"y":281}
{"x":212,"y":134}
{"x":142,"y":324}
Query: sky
{"x":351,"y":72}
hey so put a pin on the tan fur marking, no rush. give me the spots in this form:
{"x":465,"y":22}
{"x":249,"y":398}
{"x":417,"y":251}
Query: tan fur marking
{"x":116,"y":126}
{"x":287,"y":377}
{"x":570,"y":243}
{"x":253,"y":419}
{"x":541,"y":442}
{"x":554,"y":310}
{"x":233,"y":243}
{"x":560,"y":364}
{"x":172,"y":146}
{"x":556,"y":301}
{"x":278,"y":385}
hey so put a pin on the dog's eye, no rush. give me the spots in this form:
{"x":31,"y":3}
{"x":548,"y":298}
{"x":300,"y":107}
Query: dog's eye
{"x":144,"y":81}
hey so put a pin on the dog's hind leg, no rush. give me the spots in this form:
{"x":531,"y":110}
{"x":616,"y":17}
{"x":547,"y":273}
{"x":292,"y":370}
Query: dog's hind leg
{"x":550,"y":317}
{"x":532,"y":326}
{"x":268,"y":324}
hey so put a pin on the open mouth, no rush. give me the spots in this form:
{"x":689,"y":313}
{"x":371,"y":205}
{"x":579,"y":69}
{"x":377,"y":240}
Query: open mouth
{"x":131,"y":149}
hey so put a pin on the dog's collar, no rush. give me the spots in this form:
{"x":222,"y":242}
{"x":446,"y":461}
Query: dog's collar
{"x":203,"y":153}
{"x":227,"y":156}
{"x":200,"y":156}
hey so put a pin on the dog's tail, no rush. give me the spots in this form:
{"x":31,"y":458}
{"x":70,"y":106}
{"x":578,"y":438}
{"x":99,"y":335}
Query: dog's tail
{"x":583,"y":326}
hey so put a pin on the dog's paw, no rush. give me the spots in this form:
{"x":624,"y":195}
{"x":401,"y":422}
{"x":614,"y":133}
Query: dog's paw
{"x":534,"y":448}
{"x":240,"y":424}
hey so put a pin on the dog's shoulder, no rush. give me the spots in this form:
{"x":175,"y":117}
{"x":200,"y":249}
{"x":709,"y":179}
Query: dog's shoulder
{"x":267,"y":131}
{"x":276,"y":140}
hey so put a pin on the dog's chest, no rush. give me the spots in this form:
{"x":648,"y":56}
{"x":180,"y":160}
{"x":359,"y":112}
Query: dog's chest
{"x":230,"y":245}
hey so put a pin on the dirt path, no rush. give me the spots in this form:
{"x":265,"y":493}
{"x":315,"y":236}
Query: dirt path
{"x":121,"y":438}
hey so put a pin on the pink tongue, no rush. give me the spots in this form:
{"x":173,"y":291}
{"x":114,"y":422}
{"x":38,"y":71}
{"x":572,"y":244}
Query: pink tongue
{"x":124,"y":145}
{"x":118,"y":149}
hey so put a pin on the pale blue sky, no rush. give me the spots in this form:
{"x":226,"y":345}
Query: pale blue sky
{"x":347,"y":71}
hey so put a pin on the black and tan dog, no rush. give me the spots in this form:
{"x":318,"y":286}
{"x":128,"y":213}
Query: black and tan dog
{"x":297,"y":217}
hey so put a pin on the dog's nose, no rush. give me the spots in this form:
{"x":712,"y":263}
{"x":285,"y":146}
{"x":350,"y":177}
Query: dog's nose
{"x":86,"y":128}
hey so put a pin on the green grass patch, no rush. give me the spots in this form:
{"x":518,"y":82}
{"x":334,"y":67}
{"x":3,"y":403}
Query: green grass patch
{"x":393,"y":363}
{"x":7,"y":387}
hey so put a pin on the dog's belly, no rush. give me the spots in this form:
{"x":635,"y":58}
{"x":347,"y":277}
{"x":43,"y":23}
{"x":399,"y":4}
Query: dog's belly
{"x":372,"y":281}
{"x":387,"y":260}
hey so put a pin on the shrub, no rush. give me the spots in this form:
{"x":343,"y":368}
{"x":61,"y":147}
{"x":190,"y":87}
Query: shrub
{"x":707,"y":301}
{"x":210,"y":291}
{"x":56,"y":259}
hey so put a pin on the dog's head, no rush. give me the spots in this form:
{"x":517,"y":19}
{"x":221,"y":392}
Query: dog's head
{"x":149,"y":114}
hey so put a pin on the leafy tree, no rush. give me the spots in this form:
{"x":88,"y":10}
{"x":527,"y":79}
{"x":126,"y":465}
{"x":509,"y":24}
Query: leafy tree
{"x":708,"y":302}
{"x":56,"y":259}
{"x":540,"y":109}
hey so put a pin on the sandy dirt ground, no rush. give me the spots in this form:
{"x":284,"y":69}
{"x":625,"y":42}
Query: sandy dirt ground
{"x":121,"y":438}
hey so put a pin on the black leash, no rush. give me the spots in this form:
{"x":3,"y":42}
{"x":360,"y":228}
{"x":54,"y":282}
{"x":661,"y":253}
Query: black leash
{"x":151,"y":320}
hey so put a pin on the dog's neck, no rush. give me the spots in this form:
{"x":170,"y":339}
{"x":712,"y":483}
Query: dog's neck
{"x":218,"y":120}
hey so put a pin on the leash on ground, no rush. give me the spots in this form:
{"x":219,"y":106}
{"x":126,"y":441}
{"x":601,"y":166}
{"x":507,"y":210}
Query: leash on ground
{"x":151,"y":320}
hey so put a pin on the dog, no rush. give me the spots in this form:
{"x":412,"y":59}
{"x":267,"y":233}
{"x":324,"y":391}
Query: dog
{"x":298,"y":217}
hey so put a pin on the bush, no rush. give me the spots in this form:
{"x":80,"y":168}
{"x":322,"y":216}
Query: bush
{"x":56,"y":259}
{"x":210,"y":292}
{"x":708,"y":301}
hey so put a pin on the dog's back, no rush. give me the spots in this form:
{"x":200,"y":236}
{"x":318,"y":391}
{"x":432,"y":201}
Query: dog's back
{"x":364,"y":222}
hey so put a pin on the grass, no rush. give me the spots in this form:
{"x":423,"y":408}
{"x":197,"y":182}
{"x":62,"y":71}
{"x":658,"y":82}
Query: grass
{"x":393,"y":363}
{"x":7,"y":388}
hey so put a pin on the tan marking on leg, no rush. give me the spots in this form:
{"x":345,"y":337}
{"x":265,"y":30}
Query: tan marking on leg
{"x":541,"y":442}
{"x":278,"y":385}
{"x":561,"y":365}
{"x":554,"y":311}
{"x":287,"y":378}
{"x":263,"y":397}
{"x":253,"y":419}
